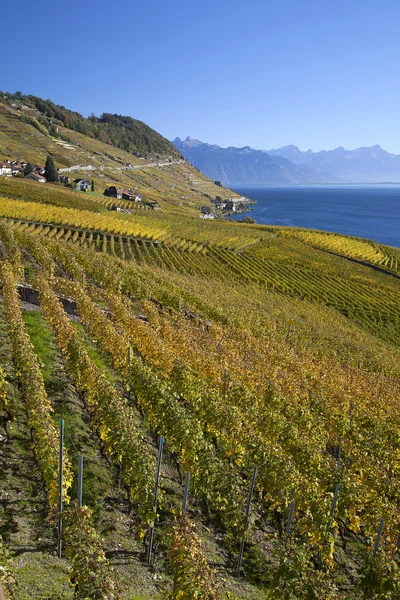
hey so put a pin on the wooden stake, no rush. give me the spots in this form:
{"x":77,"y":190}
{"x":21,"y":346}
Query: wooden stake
{"x":290,"y":518}
{"x":60,"y":490}
{"x":80,"y":480}
{"x":378,"y":537}
{"x":249,"y":499}
{"x":334,"y":501}
{"x":186,"y":492}
{"x":339,"y":453}
{"x":151,"y":535}
{"x":129,"y":373}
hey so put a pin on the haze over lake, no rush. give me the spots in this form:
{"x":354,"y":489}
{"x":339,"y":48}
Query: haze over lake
{"x":368,"y":211}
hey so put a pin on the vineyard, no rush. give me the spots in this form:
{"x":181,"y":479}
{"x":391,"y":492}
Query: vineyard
{"x":355,"y":248}
{"x":216,"y":416}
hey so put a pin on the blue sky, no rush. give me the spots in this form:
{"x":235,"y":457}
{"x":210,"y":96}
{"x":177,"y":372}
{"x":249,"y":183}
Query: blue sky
{"x":263,"y":73}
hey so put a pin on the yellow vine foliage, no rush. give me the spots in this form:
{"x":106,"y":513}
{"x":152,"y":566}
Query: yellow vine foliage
{"x":38,"y":405}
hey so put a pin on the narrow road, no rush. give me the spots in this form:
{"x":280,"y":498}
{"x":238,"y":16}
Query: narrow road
{"x":166,"y":163}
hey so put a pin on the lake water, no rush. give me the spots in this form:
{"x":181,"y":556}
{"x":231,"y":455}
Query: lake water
{"x":371,"y":212}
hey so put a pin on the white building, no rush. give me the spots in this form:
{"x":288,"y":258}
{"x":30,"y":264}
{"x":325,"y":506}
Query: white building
{"x":6,"y":169}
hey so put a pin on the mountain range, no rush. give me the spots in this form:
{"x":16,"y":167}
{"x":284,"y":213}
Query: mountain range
{"x":290,"y":165}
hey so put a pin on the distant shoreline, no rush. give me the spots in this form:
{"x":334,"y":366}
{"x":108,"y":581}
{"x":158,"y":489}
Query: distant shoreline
{"x":364,"y":211}
{"x":262,"y":185}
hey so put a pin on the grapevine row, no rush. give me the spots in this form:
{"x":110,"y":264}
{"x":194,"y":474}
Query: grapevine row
{"x":359,"y":499}
{"x":283,"y":461}
{"x":168,"y":413}
{"x":112,"y":418}
{"x":370,"y":308}
{"x":37,"y":403}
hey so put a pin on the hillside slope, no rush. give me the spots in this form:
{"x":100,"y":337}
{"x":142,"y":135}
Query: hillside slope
{"x":239,"y":345}
{"x":167,"y":179}
{"x":122,"y":132}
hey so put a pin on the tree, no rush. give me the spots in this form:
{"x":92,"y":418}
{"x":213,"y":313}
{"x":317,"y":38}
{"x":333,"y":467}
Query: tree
{"x":51,"y":172}
{"x":28,"y":168}
{"x":92,"y":185}
{"x":217,"y":182}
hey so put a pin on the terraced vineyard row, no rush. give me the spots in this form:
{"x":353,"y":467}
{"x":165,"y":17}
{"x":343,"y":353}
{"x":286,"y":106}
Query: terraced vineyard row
{"x":181,"y":257}
{"x":226,"y":397}
{"x":112,"y":222}
{"x":356,"y":248}
{"x":103,"y":332}
{"x":351,"y":297}
{"x":90,"y":569}
{"x":89,"y":560}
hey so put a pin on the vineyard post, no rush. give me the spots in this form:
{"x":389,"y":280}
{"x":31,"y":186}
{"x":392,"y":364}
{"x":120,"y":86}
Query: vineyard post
{"x":151,"y":535}
{"x":378,"y":537}
{"x":350,"y":414}
{"x":80,"y":478}
{"x":287,"y":335}
{"x":249,"y":499}
{"x":290,"y":518}
{"x":129,"y":373}
{"x":60,"y":489}
{"x":334,"y":501}
{"x":186,"y":492}
{"x":339,"y":453}
{"x":225,"y":384}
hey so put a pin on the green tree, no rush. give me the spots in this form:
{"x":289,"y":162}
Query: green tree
{"x":51,"y":172}
{"x":28,"y":168}
{"x":92,"y":185}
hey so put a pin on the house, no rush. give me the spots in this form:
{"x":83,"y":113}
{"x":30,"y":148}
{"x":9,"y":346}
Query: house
{"x":230,"y":205}
{"x":113,"y":192}
{"x":6,"y":169}
{"x":39,"y":170}
{"x":17,"y":167}
{"x":82,"y":184}
{"x":36,"y":177}
{"x":218,"y":202}
{"x":131,"y":195}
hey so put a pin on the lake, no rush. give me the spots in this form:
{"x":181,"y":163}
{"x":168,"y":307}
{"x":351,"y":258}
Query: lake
{"x":368,"y":211}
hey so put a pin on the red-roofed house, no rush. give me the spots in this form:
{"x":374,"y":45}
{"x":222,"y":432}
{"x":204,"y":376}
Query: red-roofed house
{"x":6,"y":169}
